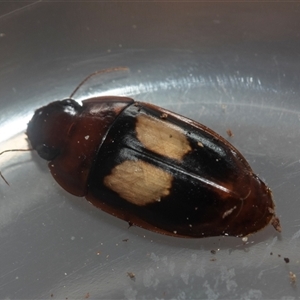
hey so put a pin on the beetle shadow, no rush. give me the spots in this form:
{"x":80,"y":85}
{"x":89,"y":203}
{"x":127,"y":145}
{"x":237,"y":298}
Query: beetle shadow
{"x":230,"y":244}
{"x":8,"y":169}
{"x":41,"y":164}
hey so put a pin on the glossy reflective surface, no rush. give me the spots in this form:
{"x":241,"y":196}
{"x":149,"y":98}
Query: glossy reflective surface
{"x":229,"y":66}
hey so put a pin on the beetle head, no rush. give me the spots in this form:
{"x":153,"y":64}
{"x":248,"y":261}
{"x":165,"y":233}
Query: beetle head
{"x":48,"y":129}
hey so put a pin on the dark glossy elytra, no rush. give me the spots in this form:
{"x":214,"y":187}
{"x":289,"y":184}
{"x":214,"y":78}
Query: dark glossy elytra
{"x":151,"y":167}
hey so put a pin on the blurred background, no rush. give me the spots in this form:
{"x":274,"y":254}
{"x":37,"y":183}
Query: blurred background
{"x":228,"y":65}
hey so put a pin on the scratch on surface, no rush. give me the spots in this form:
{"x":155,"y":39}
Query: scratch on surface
{"x":19,"y":9}
{"x":296,"y":235}
{"x":261,"y":273}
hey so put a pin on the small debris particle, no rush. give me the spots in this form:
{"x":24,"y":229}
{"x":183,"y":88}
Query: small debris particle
{"x":163,"y":116}
{"x":213,"y":251}
{"x":279,"y":255}
{"x":125,"y":240}
{"x":2,"y":34}
{"x":229,"y":132}
{"x":200,"y":144}
{"x":98,"y":253}
{"x":51,"y":295}
{"x":87,"y":137}
{"x":87,"y":295}
{"x":271,"y":253}
{"x":213,"y":259}
{"x":130,"y":224}
{"x":276,"y":223}
{"x":287,"y":260}
{"x":131,"y":275}
{"x":175,"y":232}
{"x":245,"y":239}
{"x":293,"y":277}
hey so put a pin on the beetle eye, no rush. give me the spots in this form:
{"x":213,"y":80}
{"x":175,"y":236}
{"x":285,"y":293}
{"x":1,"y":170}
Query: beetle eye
{"x":46,"y":152}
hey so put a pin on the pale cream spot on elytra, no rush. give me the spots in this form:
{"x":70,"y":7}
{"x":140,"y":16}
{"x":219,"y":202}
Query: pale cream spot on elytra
{"x":162,"y":137}
{"x":139,"y":182}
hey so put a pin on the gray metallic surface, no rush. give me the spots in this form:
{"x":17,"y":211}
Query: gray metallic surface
{"x":227,"y":65}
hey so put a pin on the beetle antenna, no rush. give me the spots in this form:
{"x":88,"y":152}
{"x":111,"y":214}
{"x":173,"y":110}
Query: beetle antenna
{"x":3,"y":178}
{"x":96,"y":73}
{"x":12,"y":150}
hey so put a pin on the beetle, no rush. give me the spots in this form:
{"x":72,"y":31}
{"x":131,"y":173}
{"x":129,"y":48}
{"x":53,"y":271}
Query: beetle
{"x":151,"y":167}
